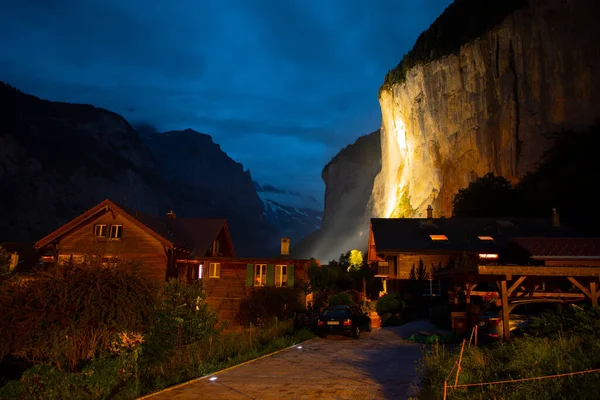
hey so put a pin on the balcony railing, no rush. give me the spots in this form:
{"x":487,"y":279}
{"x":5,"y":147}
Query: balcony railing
{"x":384,"y":269}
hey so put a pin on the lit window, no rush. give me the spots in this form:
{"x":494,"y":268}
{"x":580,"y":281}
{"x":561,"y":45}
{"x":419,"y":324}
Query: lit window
{"x":281,"y":275}
{"x":115,"y":232}
{"x":100,"y":230}
{"x":200,"y":268}
{"x":438,"y":237}
{"x":214,"y":270}
{"x":260,"y":274}
{"x":486,"y":238}
{"x":488,"y":256}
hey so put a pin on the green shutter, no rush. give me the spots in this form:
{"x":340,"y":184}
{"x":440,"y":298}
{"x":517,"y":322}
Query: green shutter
{"x":270,"y":275}
{"x":290,"y":274}
{"x":249,"y":274}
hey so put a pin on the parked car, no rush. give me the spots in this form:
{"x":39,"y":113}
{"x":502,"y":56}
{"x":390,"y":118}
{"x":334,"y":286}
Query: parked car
{"x":343,"y":320}
{"x":520,"y":316}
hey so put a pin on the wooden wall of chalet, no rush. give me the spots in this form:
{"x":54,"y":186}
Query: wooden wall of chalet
{"x":135,"y":244}
{"x":226,"y":293}
{"x":406,"y":262}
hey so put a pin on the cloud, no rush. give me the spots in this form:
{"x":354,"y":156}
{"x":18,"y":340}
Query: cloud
{"x":299,"y":78}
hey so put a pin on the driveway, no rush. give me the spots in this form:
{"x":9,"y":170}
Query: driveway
{"x":378,"y":366}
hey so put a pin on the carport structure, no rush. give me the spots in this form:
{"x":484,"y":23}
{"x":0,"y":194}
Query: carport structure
{"x":567,"y":268}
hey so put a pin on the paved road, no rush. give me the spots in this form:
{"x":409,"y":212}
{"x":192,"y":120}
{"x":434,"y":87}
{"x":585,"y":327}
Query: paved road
{"x":378,"y":366}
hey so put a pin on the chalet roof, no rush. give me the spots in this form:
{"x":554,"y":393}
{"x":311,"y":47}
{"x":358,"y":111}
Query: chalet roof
{"x":565,"y":248}
{"x":194,"y":234}
{"x":463,"y":234}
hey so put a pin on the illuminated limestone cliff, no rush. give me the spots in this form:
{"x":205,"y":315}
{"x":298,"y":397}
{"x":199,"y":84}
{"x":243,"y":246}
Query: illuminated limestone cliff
{"x":488,"y":107}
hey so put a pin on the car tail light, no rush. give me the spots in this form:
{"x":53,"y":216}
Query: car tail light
{"x":347,"y":322}
{"x":320,"y":323}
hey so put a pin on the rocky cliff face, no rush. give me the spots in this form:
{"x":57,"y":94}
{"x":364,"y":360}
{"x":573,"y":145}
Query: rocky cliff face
{"x":487,"y":108}
{"x":204,"y":181}
{"x":57,"y":160}
{"x":293,"y":214}
{"x":348,"y":178}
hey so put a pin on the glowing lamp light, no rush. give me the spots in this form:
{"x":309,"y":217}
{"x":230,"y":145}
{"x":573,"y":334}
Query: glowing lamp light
{"x":488,"y":256}
{"x":438,"y":237}
{"x":299,"y":347}
{"x":212,"y":378}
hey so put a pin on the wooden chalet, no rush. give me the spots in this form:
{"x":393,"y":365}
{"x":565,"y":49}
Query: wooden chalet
{"x":166,"y":247}
{"x":397,"y":244}
{"x":562,"y":268}
{"x":188,"y":249}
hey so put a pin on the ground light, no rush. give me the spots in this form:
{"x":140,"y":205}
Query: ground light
{"x":212,"y":378}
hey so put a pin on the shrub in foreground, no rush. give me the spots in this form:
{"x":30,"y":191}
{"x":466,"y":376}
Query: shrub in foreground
{"x":266,"y":303}
{"x":71,"y":314}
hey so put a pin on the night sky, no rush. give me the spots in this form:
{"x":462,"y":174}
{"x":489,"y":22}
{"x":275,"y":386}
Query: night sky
{"x":281,"y":85}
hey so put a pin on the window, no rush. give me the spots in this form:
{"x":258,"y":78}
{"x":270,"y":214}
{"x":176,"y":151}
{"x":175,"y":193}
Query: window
{"x":200,"y":270}
{"x":115,"y":232}
{"x":109,"y":262}
{"x":281,"y":275}
{"x":260,"y":274}
{"x":438,"y":237}
{"x":100,"y":231}
{"x":485,"y":238}
{"x":489,"y":256}
{"x":214,"y":270}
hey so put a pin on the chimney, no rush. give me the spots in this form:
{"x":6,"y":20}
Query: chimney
{"x":285,"y":246}
{"x":429,"y":212}
{"x":171,"y":215}
{"x":555,"y":218}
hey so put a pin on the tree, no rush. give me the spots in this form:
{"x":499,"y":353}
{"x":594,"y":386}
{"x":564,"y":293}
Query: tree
{"x":355,"y":260}
{"x":489,"y":196}
{"x":419,"y":272}
{"x":322,"y":280}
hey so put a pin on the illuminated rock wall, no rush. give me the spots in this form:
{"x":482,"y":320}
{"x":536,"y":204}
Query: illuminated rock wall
{"x":488,"y":108}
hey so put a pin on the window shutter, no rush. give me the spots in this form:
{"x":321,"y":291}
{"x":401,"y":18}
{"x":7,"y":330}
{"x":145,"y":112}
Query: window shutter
{"x":270,"y":275}
{"x":249,"y":274}
{"x":290,"y":275}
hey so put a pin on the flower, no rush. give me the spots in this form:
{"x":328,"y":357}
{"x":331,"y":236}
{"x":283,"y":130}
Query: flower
{"x":491,"y":297}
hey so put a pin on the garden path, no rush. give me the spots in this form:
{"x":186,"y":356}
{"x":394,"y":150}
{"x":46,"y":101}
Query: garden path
{"x":381,"y":365}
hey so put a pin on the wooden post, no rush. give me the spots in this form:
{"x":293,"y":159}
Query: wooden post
{"x":445,"y":389}
{"x":593,"y":294}
{"x":459,"y":362}
{"x":505,"y":322}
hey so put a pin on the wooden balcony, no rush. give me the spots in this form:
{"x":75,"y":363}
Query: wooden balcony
{"x":383,"y":269}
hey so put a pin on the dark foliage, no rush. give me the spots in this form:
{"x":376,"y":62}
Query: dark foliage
{"x":461,"y":22}
{"x":340,"y":299}
{"x":565,"y":180}
{"x":72,"y":313}
{"x":489,"y":196}
{"x":181,"y":317}
{"x":266,"y":303}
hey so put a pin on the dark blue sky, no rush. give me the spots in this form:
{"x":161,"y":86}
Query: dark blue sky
{"x":281,"y":85}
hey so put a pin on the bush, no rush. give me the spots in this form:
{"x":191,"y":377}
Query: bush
{"x":181,"y":317}
{"x":266,"y":303}
{"x":113,"y":377}
{"x":389,"y":303}
{"x":340,"y":299}
{"x":582,"y":321}
{"x":70,"y":314}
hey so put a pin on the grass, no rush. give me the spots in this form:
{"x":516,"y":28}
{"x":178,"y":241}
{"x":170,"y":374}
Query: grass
{"x":522,"y":358}
{"x":219,"y":352}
